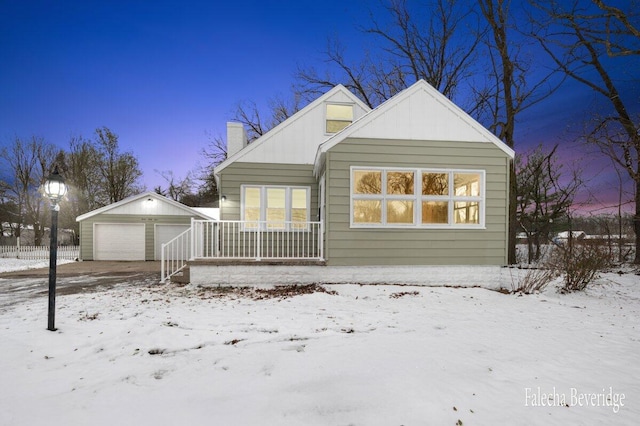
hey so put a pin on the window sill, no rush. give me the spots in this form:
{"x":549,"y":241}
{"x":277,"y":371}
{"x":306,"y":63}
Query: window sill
{"x":419,"y":227}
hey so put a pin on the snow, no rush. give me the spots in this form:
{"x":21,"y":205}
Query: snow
{"x":368,"y":355}
{"x":7,"y":265}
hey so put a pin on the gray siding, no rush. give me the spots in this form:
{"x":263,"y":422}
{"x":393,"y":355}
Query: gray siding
{"x":415,"y":246}
{"x":86,"y":230}
{"x":237,"y":174}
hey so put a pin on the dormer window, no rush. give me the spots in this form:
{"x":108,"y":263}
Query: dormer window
{"x":338,"y":117}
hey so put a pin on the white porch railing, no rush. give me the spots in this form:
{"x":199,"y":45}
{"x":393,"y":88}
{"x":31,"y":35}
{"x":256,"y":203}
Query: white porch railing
{"x":236,"y":239}
{"x":175,"y":254}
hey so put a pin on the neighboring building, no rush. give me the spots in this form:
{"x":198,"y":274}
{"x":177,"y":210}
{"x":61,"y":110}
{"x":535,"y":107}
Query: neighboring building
{"x":27,"y":235}
{"x":575,"y":235}
{"x":135,"y":228}
{"x":415,"y":181}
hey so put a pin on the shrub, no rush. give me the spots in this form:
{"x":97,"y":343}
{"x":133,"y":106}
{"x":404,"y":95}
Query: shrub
{"x":533,"y":280}
{"x":580,"y":264}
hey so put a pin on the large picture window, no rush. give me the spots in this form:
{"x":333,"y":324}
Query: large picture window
{"x":417,"y":197}
{"x":275,"y":207}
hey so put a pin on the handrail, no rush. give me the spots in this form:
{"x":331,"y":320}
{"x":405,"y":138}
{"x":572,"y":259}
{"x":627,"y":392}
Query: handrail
{"x":175,"y":254}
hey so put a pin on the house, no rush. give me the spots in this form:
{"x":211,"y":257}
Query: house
{"x":563,"y":237}
{"x":413,"y":182}
{"x":135,"y":228}
{"x":27,"y":235}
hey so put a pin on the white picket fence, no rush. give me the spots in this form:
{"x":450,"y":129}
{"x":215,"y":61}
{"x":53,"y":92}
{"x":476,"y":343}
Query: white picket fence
{"x":38,"y":252}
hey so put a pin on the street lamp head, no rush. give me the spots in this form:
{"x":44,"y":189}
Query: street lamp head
{"x":54,"y":187}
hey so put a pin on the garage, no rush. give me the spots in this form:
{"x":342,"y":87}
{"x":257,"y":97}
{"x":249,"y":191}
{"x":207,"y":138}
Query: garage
{"x":119,"y":241}
{"x":135,"y":228}
{"x":166,"y":233}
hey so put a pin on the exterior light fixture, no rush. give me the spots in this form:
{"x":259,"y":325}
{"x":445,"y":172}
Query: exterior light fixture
{"x":223,"y":198}
{"x":54,"y":189}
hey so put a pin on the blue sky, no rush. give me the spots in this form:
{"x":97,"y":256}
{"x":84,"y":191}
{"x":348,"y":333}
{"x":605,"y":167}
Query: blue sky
{"x":160,"y":74}
{"x":164,"y":75}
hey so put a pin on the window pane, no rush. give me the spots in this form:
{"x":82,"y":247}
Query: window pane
{"x":340,"y":112}
{"x":251,"y":207}
{"x":466,"y":212}
{"x":400,"y":183}
{"x":466,"y":184}
{"x":338,"y":117}
{"x":299,"y":205}
{"x":367,"y":211}
{"x":275,"y":207}
{"x":435,"y":212}
{"x":367,"y":182}
{"x":435,"y":184}
{"x":399,"y":211}
{"x":334,"y":126}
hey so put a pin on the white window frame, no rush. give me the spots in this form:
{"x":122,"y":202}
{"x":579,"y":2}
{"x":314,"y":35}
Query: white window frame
{"x":353,"y":115}
{"x":263,"y":207}
{"x":417,"y":198}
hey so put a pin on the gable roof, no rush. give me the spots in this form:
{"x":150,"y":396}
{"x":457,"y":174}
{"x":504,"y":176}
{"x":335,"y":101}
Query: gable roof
{"x":340,"y":92}
{"x":413,"y":113}
{"x":150,"y":195}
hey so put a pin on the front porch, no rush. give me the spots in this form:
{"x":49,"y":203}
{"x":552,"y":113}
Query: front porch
{"x":235,"y":242}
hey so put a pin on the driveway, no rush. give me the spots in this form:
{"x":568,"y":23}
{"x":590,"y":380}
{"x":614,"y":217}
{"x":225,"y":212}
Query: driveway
{"x":75,"y":277}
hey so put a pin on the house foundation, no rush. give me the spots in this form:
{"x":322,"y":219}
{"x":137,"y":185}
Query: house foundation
{"x":289,"y":273}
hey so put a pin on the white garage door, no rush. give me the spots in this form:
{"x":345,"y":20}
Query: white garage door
{"x":166,"y":233}
{"x":118,"y":241}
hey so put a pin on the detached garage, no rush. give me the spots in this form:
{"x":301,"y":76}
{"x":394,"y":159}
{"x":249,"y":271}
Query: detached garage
{"x":134,"y":228}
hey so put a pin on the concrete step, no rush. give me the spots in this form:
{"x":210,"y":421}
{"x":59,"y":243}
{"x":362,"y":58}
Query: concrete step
{"x":182,"y":277}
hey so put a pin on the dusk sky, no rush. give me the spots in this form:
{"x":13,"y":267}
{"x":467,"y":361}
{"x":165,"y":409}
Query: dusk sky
{"x":164,"y":75}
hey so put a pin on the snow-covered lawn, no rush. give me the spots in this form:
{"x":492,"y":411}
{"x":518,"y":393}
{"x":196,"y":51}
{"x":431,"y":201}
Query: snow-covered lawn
{"x":366,"y":355}
{"x":7,"y":265}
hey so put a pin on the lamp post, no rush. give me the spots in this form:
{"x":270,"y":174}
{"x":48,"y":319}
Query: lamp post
{"x":54,"y":188}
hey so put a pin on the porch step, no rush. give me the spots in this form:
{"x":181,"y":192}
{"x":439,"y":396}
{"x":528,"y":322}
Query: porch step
{"x":182,"y":277}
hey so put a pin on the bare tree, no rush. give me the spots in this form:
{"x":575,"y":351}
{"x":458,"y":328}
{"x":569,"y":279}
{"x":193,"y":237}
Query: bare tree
{"x":177,"y":189}
{"x":511,"y":90}
{"x":120,"y":171}
{"x":544,"y":195}
{"x":435,"y":46}
{"x":584,"y":42}
{"x":80,"y":167}
{"x":256,"y":122}
{"x":29,"y":162}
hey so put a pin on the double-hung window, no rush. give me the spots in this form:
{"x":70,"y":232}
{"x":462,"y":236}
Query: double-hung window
{"x":275,"y":207}
{"x":430,"y":198}
{"x":338,"y":116}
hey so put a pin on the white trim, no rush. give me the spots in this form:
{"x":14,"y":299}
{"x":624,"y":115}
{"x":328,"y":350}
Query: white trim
{"x":262,"y":139}
{"x":391,"y":103}
{"x":263,"y":207}
{"x":417,"y":198}
{"x":322,"y":197}
{"x":325,"y":119}
{"x":148,"y":194}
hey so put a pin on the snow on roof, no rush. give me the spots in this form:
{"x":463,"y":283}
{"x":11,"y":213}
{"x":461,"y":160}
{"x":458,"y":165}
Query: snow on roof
{"x":574,"y":234}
